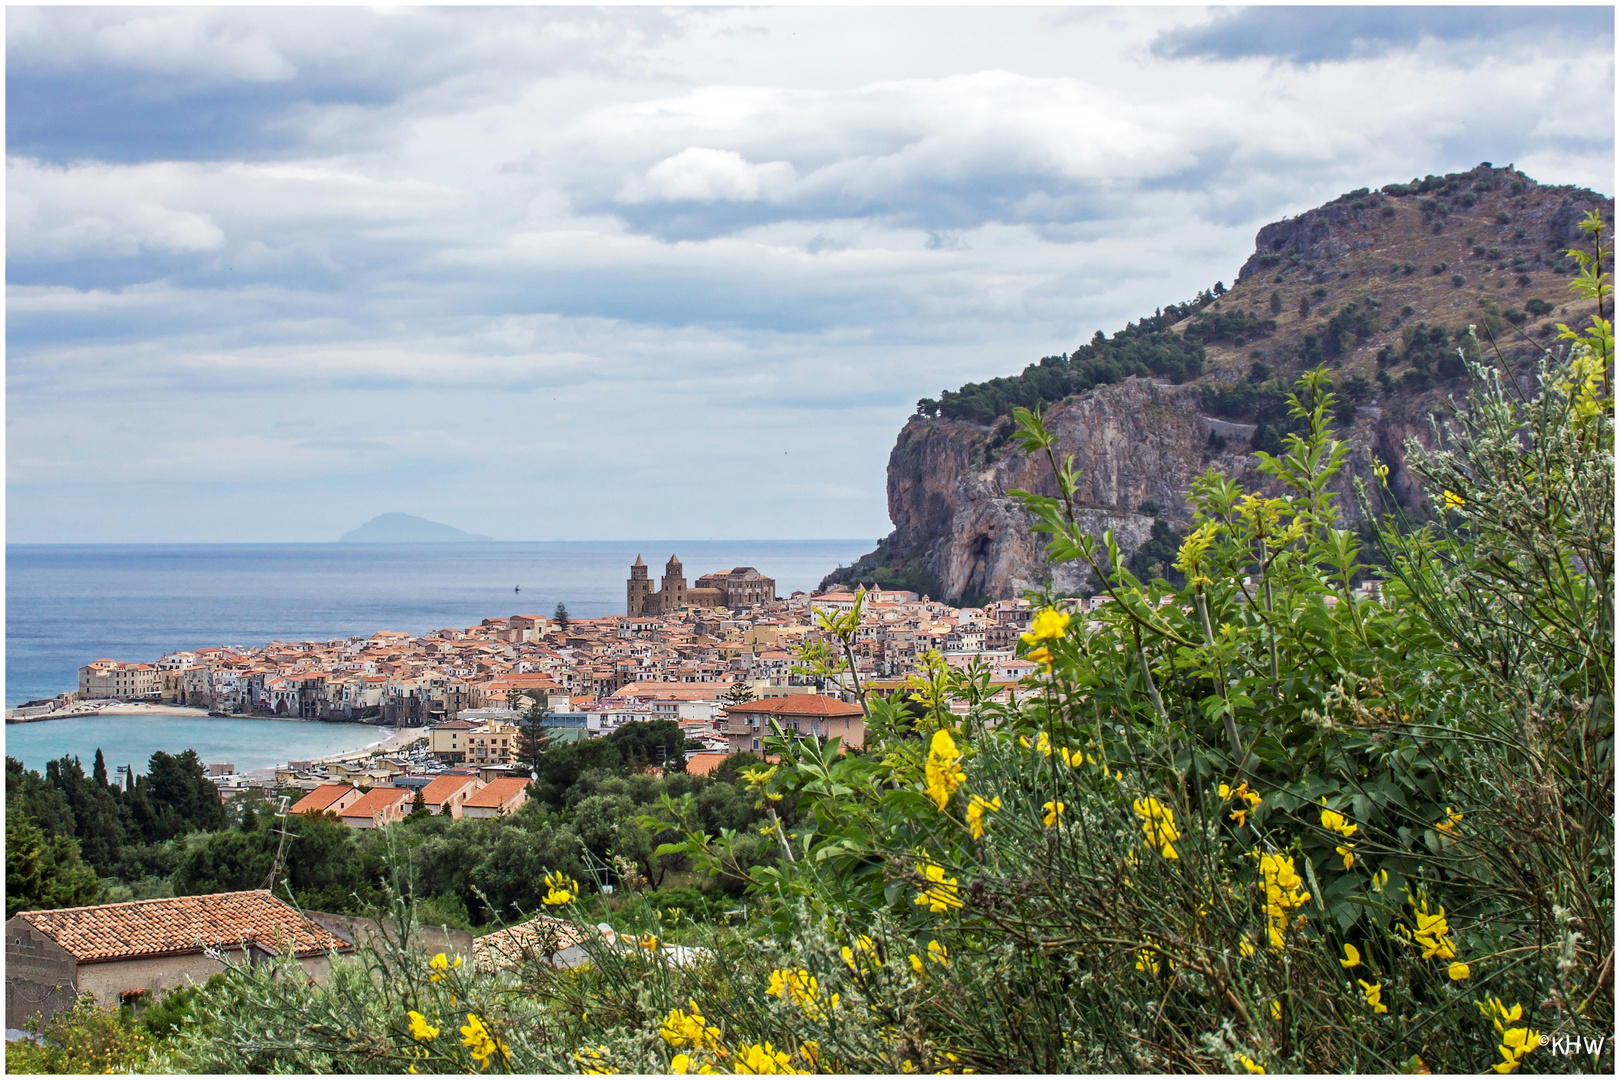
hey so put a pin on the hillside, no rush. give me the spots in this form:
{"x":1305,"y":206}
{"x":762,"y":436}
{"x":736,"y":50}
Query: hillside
{"x":1380,"y":285}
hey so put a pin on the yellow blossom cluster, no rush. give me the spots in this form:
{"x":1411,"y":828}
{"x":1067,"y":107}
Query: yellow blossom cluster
{"x":1281,"y":882}
{"x":941,"y":893}
{"x":801,"y":988}
{"x":441,"y":966}
{"x":1516,"y":1041}
{"x":1048,"y":625}
{"x":975,"y":813}
{"x":480,"y":1043}
{"x":1248,"y":801}
{"x":1374,"y":993}
{"x":1250,"y":1064}
{"x":1333,"y":821}
{"x":868,"y":954}
{"x":943,"y":770}
{"x":559,"y":890}
{"x":690,"y":1029}
{"x":1158,"y":825}
{"x":1432,"y":931}
{"x":421,"y":1030}
{"x":1054,"y":810}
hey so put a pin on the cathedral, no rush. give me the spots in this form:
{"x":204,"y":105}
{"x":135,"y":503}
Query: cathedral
{"x":740,"y":587}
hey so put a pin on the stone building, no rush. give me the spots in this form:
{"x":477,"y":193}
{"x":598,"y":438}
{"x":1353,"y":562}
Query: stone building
{"x":115,"y":952}
{"x":740,"y":587}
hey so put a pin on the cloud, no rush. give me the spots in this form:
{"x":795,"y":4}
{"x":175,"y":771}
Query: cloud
{"x":1308,"y":35}
{"x":699,"y":174}
{"x":565,"y":272}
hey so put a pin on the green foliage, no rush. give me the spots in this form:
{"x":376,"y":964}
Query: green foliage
{"x":1145,"y":349}
{"x":83,"y":1039}
{"x":44,"y":871}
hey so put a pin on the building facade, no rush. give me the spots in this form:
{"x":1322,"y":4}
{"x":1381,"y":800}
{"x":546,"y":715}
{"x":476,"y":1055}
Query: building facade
{"x":739,"y":587}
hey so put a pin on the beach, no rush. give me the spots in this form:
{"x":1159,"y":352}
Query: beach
{"x":110,"y":708}
{"x":398,"y":741}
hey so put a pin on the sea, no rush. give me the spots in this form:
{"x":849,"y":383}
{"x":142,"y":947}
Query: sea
{"x":69,"y":604}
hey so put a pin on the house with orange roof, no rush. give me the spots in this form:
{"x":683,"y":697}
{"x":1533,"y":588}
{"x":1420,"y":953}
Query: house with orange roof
{"x":448,"y":791}
{"x":378,"y":807}
{"x":327,"y":799}
{"x":113,"y":952}
{"x":497,"y":798}
{"x":801,"y":715}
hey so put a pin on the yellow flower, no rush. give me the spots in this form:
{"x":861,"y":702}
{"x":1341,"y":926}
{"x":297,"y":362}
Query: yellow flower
{"x":1245,"y":948}
{"x":1381,"y":471}
{"x":939,"y":954}
{"x":1348,"y":853}
{"x":1374,"y":992}
{"x":647,"y":941}
{"x":1516,"y":1042}
{"x":1053,"y":809}
{"x":559,"y":890}
{"x":1042,"y":655}
{"x":1158,"y":825}
{"x":1450,"y":822}
{"x":1453,"y":500}
{"x":480,"y":1043}
{"x":1049,"y":625}
{"x":1458,"y":971}
{"x":421,"y":1031}
{"x":1276,"y":1009}
{"x":1145,"y":961}
{"x":682,"y":1064}
{"x":1042,"y":743}
{"x":593,"y":1062}
{"x":1281,"y":883}
{"x":763,"y":1060}
{"x":975,"y":813}
{"x":1352,"y":957}
{"x":943,"y":769}
{"x":1431,"y":933}
{"x":441,"y":967}
{"x":1334,"y":821}
{"x":916,"y":963}
{"x":689,"y":1029}
{"x":801,"y":988}
{"x":941,"y":894}
{"x":1379,"y":880}
{"x":1250,"y":1064}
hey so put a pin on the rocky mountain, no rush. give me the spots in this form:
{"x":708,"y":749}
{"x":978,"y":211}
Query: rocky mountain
{"x":406,"y":529}
{"x":1380,"y":285}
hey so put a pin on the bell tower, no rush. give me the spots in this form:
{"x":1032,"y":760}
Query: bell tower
{"x":637,"y":589}
{"x":672,"y":593}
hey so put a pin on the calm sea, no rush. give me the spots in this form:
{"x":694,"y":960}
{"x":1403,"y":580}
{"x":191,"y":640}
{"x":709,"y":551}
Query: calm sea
{"x":69,"y":604}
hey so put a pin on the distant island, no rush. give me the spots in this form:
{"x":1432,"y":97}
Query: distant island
{"x":405,"y":529}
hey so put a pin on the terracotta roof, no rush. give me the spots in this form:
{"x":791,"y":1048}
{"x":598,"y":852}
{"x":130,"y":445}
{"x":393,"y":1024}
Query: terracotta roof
{"x":443,"y":787}
{"x":496,"y":792}
{"x":321,"y":798}
{"x":540,"y":936}
{"x":704,"y":762}
{"x":377,"y":800}
{"x":798,"y":705}
{"x":180,"y":924}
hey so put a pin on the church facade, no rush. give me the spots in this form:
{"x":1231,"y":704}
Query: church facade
{"x":739,"y":587}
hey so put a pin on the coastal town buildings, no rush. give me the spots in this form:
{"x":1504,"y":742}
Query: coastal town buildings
{"x":723,"y":664}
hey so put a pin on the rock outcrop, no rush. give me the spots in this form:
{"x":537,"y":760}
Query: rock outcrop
{"x":1359,"y":283}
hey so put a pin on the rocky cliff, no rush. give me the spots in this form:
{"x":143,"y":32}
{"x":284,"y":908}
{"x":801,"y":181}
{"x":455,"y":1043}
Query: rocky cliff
{"x":1363,"y":284}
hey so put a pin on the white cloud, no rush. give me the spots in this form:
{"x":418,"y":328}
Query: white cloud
{"x":532,"y":259}
{"x":700,"y":174}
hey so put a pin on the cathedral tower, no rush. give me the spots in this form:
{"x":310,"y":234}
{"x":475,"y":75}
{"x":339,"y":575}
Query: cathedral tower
{"x":672,"y":592}
{"x":637,"y":589}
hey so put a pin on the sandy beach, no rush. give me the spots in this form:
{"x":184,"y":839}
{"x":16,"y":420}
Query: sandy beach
{"x":398,"y":741}
{"x":112,"y":708}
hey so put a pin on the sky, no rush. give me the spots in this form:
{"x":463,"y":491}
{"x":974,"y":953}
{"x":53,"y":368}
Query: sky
{"x":620,"y":273}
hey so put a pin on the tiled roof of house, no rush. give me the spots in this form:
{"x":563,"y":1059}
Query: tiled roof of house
{"x":443,"y":787}
{"x":376,"y":801}
{"x":497,"y":792}
{"x":540,"y":936}
{"x":181,"y":924}
{"x":321,"y":798}
{"x":798,"y":705}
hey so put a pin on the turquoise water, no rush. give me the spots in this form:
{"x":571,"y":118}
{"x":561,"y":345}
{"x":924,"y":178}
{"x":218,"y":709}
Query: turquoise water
{"x":131,"y":740}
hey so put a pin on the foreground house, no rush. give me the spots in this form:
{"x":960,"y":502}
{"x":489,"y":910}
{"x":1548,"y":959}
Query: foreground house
{"x":447,"y":792}
{"x":327,"y":799}
{"x":801,"y":715}
{"x":115,"y":951}
{"x":378,"y":807}
{"x":497,"y":798}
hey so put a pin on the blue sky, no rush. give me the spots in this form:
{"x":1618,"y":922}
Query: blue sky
{"x":571,"y":274}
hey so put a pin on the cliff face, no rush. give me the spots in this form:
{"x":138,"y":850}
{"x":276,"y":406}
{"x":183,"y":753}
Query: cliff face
{"x":1361,"y":284}
{"x":1134,"y":443}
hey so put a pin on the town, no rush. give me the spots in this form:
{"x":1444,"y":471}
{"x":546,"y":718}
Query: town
{"x":718,"y":658}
